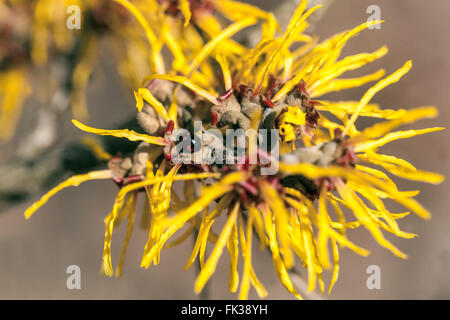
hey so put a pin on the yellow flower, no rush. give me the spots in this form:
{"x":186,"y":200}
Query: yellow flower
{"x":323,"y":163}
{"x":14,"y":89}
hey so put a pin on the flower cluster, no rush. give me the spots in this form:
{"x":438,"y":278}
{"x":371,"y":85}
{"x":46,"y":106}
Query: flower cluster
{"x":325,"y":161}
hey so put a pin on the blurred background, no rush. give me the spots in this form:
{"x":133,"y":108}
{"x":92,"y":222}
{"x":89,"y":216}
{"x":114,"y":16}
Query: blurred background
{"x":34,"y":254}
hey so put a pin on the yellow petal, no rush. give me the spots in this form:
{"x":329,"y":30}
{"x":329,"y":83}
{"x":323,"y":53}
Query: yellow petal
{"x":80,"y":78}
{"x":401,"y":168}
{"x":205,"y":226}
{"x":417,"y":175}
{"x":156,"y":55}
{"x":359,"y":212}
{"x":246,"y":244}
{"x":343,"y":84}
{"x":409,"y":116}
{"x":235,"y":11}
{"x":233,"y":248}
{"x":370,"y":110}
{"x":323,"y":234}
{"x":187,"y":83}
{"x":185,"y":10}
{"x":210,"y":194}
{"x":143,"y":94}
{"x":392,"y":136}
{"x":376,"y":158}
{"x":222,"y":59}
{"x":14,"y":89}
{"x":313,"y":172}
{"x":182,"y":238}
{"x":130,"y":224}
{"x":286,"y":41}
{"x":96,"y":148}
{"x":335,"y":274}
{"x":279,"y":265}
{"x":309,"y":259}
{"x":281,"y":222}
{"x":211,"y":45}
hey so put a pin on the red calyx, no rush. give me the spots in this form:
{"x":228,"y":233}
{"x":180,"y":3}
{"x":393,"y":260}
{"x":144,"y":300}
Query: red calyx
{"x":168,"y":156}
{"x":118,"y":181}
{"x":170,"y":126}
{"x":315,"y":103}
{"x":302,"y":88}
{"x":132,"y":179}
{"x":269,"y":92}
